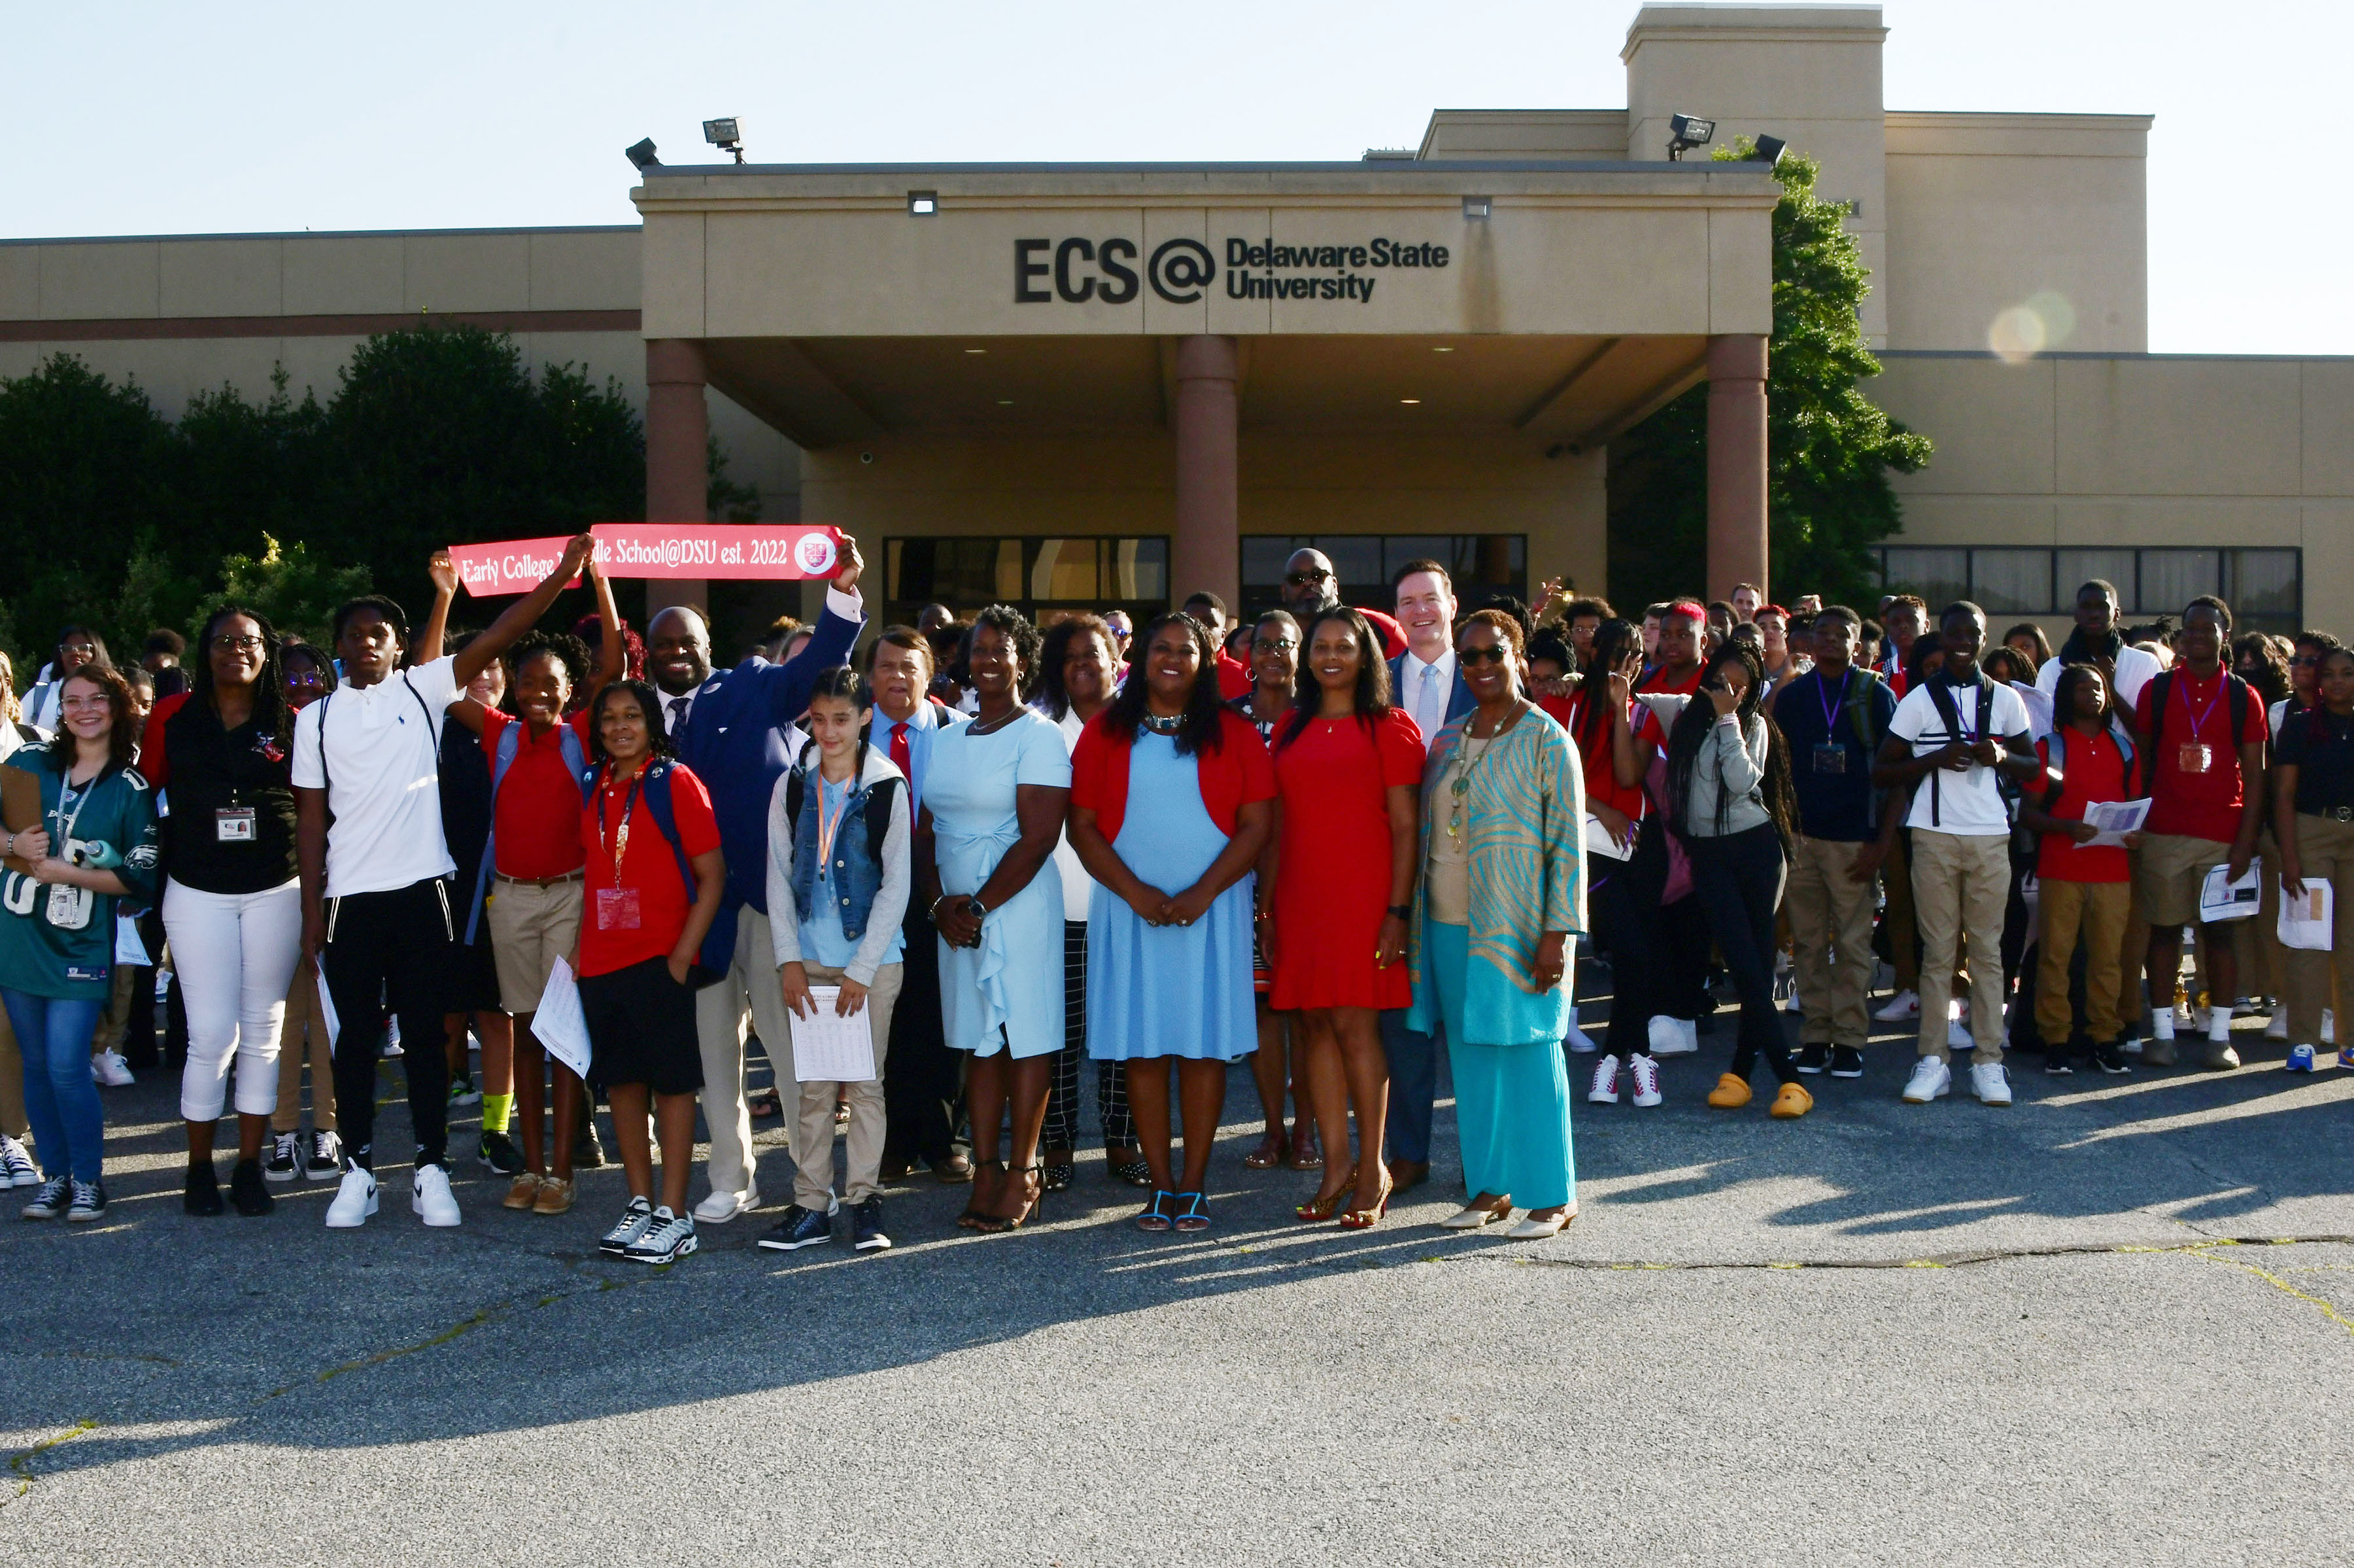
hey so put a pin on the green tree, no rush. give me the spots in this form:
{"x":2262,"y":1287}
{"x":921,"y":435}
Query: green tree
{"x":296,"y":589}
{"x":1829,"y":449}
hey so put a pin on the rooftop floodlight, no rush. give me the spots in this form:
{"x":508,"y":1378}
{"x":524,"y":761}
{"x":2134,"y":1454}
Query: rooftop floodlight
{"x":1686,"y":132}
{"x":643,"y":155}
{"x":1769,"y":151}
{"x":923,"y":204}
{"x":722,"y":134}
{"x":1477,"y":207}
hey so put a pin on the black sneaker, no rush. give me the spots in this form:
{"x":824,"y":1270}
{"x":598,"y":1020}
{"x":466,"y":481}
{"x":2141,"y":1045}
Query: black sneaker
{"x":2057,"y":1062}
{"x":867,"y":1226}
{"x":799,"y":1228}
{"x":1846,"y":1062}
{"x":588,"y":1149}
{"x":326,"y":1161}
{"x":499,"y":1152}
{"x":50,"y":1201}
{"x":202,"y":1193}
{"x":89,"y":1203}
{"x":247,"y":1192}
{"x":285,"y":1162}
{"x":1814,"y":1058}
{"x":2108,"y":1058}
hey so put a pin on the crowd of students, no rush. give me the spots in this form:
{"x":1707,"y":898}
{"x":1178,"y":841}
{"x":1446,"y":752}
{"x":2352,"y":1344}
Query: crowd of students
{"x":1333,"y":841}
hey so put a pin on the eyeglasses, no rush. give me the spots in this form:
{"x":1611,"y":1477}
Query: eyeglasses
{"x":1301,"y":580}
{"x":1273,"y":645}
{"x":2307,"y":662}
{"x":83,"y":704}
{"x":1495,"y":653}
{"x":229,"y":644}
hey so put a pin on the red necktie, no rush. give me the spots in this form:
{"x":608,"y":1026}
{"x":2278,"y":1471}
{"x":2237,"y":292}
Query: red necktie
{"x":899,"y":758}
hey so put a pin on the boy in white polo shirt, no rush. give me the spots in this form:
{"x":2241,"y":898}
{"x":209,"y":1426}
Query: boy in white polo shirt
{"x":375,"y":910}
{"x":1952,"y":736}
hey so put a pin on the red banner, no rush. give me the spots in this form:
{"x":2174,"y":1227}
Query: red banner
{"x":658,"y":550}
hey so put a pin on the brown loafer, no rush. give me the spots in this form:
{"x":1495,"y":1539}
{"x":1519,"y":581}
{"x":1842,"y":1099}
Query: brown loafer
{"x":1407,"y":1174}
{"x":952,"y":1170}
{"x":526,"y":1189}
{"x":554,"y":1197}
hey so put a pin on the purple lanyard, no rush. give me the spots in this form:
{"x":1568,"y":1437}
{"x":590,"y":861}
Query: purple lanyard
{"x":2198,"y":720}
{"x":1830,"y":708}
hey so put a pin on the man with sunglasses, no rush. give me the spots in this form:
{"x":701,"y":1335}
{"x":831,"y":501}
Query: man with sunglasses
{"x":1310,"y":587}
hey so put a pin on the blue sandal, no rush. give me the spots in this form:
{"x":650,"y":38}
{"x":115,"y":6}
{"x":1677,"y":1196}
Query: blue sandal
{"x":1195,"y":1214}
{"x":1155,"y":1218}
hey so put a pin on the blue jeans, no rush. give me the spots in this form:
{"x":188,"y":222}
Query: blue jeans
{"x":61,"y":1097}
{"x":1413,"y":1088}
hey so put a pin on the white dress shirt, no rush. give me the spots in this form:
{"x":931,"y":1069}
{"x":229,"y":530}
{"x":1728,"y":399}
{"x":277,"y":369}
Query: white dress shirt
{"x":1427,"y":687}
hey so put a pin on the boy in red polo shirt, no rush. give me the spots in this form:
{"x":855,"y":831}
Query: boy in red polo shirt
{"x":2201,"y":732}
{"x":2087,"y":760}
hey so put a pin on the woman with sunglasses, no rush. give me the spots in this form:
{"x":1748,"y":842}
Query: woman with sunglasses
{"x":1502,"y":897}
{"x":232,"y":894}
{"x":88,"y":845}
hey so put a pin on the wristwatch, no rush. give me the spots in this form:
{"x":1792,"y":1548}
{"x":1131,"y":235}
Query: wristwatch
{"x":1403,"y":911}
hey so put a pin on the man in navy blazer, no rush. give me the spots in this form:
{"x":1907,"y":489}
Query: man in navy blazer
{"x":1427,"y":683}
{"x":731,"y":727}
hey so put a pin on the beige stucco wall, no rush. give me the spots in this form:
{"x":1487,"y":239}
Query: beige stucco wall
{"x":2131,"y":449}
{"x":1990,"y":212}
{"x":1525,"y":133}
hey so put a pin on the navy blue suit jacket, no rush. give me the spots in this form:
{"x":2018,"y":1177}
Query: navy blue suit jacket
{"x":1458,"y":699}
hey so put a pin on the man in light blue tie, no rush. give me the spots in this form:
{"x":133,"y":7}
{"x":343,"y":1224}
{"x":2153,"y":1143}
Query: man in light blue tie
{"x":1430,"y":688}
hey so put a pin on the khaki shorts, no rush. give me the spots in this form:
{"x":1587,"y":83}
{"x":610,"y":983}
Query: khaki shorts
{"x":2168,"y":874}
{"x":531,"y":928}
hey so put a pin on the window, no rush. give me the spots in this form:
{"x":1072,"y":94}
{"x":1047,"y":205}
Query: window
{"x":2266,"y":588}
{"x":1480,"y":564}
{"x":1044,"y":578}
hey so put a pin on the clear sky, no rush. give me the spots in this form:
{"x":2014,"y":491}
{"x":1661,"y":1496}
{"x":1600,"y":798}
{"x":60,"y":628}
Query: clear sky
{"x":146,"y":118}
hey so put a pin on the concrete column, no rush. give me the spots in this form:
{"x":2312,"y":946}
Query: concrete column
{"x":678,"y":431}
{"x":1736,"y":462}
{"x":1207,"y":552}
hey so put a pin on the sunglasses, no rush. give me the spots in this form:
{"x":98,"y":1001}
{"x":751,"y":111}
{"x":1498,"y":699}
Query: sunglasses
{"x":1494,"y":653}
{"x":1273,"y":645}
{"x":1301,"y":580}
{"x":2307,"y":662}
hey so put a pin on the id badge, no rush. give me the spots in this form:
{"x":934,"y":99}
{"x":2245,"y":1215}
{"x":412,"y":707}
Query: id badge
{"x":2194,"y":757}
{"x":1830,"y":758}
{"x":616,"y":909}
{"x":69,"y":907}
{"x":233,"y":824}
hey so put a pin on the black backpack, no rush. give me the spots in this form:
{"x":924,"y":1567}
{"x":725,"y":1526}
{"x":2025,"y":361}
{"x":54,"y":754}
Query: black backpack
{"x":1941,"y":697}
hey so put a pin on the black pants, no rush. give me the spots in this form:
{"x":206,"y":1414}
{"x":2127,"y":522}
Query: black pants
{"x":1112,"y":1077}
{"x":1680,"y":971}
{"x":396,"y":945}
{"x":1739,"y":880}
{"x":1625,"y":915}
{"x":923,"y":1093}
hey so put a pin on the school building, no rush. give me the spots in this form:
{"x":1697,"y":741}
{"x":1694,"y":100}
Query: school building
{"x":1065,"y":384}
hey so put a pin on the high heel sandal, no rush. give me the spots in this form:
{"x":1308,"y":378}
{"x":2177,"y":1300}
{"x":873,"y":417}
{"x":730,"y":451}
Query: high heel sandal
{"x":1316,"y":1211}
{"x":972,"y":1217}
{"x":998,"y":1224}
{"x":1366,"y":1219}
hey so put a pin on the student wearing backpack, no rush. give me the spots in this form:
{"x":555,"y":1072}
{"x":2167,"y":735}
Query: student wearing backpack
{"x":839,"y":874}
{"x":376,"y":902}
{"x":2088,"y":760}
{"x":645,"y":914}
{"x":525,"y":887}
{"x":1954,"y":736}
{"x":2201,"y":731}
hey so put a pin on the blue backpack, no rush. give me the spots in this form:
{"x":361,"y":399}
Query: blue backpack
{"x":510,"y":746}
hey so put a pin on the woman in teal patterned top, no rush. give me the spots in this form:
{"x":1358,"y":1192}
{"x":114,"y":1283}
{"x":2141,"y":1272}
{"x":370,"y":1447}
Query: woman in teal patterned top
{"x":1502,"y":890}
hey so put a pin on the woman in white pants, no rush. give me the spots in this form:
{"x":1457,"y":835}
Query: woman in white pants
{"x":232,"y":901}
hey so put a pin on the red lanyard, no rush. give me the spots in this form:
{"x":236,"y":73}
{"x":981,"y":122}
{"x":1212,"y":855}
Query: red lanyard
{"x":618,"y":844}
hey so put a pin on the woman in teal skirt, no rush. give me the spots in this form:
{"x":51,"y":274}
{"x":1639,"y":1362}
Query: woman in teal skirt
{"x":1502,"y":892}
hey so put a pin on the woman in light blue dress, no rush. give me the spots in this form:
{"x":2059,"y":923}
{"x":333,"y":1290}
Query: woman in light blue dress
{"x":995,"y":794}
{"x":1172,"y":800}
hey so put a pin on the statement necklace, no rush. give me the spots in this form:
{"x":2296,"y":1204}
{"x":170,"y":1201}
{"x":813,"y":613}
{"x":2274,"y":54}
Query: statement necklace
{"x":1460,"y":790}
{"x":1159,"y":726}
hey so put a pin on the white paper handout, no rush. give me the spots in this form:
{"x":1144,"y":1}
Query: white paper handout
{"x":2306,"y":922}
{"x":830,"y":1050}
{"x":2113,"y":819}
{"x":2223,"y":899}
{"x":1599,"y":841}
{"x":559,"y":1024}
{"x":128,"y":949}
{"x":327,"y":1019}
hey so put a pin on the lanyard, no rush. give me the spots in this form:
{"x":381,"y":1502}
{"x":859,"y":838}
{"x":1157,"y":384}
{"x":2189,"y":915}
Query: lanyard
{"x":1831,"y":708}
{"x":618,"y":845}
{"x":66,"y":823}
{"x":2199,"y":719}
{"x":827,"y":828}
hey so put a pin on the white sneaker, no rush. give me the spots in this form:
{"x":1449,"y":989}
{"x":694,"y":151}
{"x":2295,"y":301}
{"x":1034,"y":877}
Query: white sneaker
{"x":721,"y":1207}
{"x":1904,"y":1004}
{"x":2329,"y":1027}
{"x":1794,"y":1004}
{"x":1958,"y":1029}
{"x":1931,"y":1080}
{"x":1646,"y":1079}
{"x":354,"y":1200}
{"x":2278,"y":1028}
{"x":1578,"y":1040}
{"x":667,"y":1238}
{"x":430,"y":1200}
{"x":16,"y":1166}
{"x":1673,"y":1036}
{"x":111,"y":1070}
{"x":1604,"y":1090}
{"x":635,"y":1222}
{"x":1990,"y":1084}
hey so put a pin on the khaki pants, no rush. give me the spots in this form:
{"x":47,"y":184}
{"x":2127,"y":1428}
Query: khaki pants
{"x":116,"y":1018}
{"x":750,"y":989}
{"x":1960,"y":886}
{"x":304,"y":1033}
{"x":813,"y":1126}
{"x":2325,"y":850}
{"x":2100,"y":911}
{"x":12,"y":1084}
{"x":1830,"y":922}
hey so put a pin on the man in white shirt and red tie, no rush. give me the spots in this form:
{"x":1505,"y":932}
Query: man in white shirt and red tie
{"x":1426,"y":683}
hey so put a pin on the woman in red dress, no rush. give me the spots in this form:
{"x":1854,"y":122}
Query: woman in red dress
{"x":1348,"y":771}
